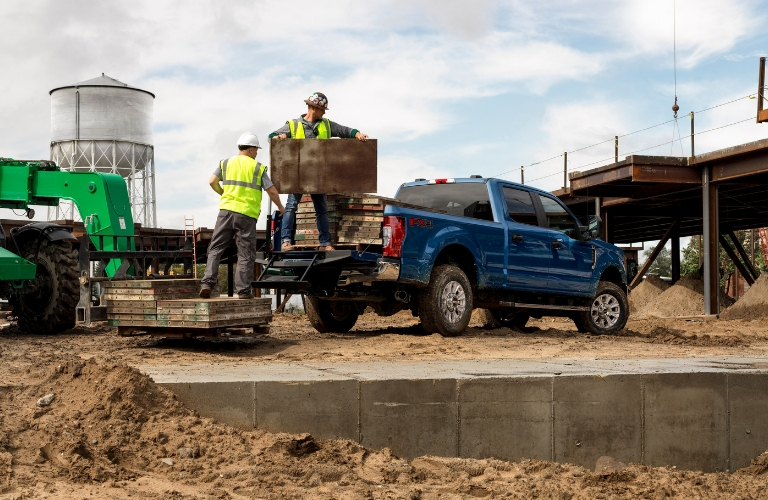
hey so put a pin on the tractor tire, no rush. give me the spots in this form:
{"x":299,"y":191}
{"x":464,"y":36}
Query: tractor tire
{"x":608,"y":311}
{"x":331,"y":316}
{"x":511,"y":319}
{"x":445,"y":306}
{"x":48,"y":303}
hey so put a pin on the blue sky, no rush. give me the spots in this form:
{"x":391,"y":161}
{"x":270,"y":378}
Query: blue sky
{"x":449,"y":88}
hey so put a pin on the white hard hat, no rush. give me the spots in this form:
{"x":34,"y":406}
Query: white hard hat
{"x":248,"y":139}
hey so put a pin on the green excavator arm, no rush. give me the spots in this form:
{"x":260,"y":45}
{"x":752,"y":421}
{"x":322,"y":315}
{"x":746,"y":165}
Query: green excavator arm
{"x":100,"y":198}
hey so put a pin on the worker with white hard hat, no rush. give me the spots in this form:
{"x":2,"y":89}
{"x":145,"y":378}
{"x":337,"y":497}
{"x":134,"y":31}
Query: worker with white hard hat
{"x":239,"y":180}
{"x":311,"y":126}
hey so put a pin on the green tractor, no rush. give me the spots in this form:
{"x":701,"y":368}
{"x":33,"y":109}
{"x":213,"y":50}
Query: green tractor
{"x":44,"y":269}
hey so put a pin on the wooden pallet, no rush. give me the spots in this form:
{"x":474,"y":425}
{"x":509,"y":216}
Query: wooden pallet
{"x":181,"y":333}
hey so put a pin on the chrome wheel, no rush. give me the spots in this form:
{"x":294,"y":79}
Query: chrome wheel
{"x":605,"y":310}
{"x":453,"y":302}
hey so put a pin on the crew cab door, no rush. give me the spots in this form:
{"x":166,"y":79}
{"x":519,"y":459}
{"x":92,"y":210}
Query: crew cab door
{"x":528,"y":244}
{"x":570,"y":265}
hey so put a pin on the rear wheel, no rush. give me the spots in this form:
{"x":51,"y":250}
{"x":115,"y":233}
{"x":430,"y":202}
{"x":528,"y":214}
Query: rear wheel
{"x":331,"y":316}
{"x":48,"y":303}
{"x":445,"y":306}
{"x":608,"y":312}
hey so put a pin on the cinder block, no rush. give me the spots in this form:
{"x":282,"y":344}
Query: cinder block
{"x":411,"y":417}
{"x":506,"y":419}
{"x":686,"y":421}
{"x":748,"y":404}
{"x":597,"y":416}
{"x":326,"y":409}
{"x":323,"y":166}
{"x":231,"y":403}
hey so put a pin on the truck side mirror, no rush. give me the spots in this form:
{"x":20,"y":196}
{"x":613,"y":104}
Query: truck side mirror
{"x":595,"y":227}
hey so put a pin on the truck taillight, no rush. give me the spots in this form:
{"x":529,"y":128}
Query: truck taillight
{"x":442,"y":181}
{"x":392,"y":235}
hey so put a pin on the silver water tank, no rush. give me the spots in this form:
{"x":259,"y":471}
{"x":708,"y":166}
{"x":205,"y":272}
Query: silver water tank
{"x":105,"y":125}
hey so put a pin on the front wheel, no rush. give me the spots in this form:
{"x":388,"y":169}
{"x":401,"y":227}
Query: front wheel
{"x":608,"y":312}
{"x":445,"y":306}
{"x":331,"y":316}
{"x":48,"y":303}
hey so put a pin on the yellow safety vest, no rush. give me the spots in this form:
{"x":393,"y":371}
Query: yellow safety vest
{"x":297,"y":129}
{"x":241,"y":177}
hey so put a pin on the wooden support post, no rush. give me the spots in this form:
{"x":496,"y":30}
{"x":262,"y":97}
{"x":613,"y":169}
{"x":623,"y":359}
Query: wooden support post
{"x":762,"y":115}
{"x":711,"y":221}
{"x":565,"y":170}
{"x":522,"y":174}
{"x":616,"y":149}
{"x":281,"y":307}
{"x":639,"y":276}
{"x":736,"y":262}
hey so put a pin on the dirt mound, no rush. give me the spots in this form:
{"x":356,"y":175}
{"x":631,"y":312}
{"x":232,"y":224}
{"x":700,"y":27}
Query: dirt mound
{"x":754,"y":303}
{"x":684,"y":298}
{"x":644,"y":293}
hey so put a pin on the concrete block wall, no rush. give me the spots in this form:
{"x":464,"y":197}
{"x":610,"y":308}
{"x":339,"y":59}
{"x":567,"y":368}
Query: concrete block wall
{"x":697,"y":421}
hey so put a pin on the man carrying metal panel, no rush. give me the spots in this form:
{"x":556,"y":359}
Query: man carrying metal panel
{"x":311,"y":126}
{"x":243,"y":180}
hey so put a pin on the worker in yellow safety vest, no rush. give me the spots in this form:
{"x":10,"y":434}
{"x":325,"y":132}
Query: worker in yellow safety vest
{"x":239,"y":180}
{"x":311,"y":126}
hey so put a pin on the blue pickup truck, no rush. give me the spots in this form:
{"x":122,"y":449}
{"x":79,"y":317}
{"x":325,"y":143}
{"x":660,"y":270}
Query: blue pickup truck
{"x":453,"y":245}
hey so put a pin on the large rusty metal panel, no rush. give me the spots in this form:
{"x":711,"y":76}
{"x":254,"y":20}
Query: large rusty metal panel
{"x":323,"y":166}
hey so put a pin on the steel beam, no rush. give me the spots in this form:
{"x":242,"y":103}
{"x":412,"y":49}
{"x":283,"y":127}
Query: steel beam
{"x":743,"y":253}
{"x":639,"y":276}
{"x":711,"y":237}
{"x":675,"y":257}
{"x":736,"y":262}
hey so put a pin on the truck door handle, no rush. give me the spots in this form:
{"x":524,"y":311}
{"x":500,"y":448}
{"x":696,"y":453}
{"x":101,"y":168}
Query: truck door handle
{"x":517,"y":238}
{"x":557,"y":243}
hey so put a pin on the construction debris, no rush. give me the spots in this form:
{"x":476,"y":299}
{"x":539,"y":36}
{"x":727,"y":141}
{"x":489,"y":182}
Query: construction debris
{"x":684,"y":298}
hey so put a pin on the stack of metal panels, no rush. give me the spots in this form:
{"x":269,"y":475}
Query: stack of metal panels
{"x":361,"y":221}
{"x":134,"y":303}
{"x":307,"y":234}
{"x":175,"y":304}
{"x":214,"y":313}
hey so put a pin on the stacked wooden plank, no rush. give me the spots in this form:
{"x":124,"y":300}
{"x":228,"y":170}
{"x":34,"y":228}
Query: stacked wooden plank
{"x":351,"y":220}
{"x":151,"y":304}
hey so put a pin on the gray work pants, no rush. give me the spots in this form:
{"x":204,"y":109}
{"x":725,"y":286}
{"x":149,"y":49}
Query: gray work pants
{"x":243,"y":229}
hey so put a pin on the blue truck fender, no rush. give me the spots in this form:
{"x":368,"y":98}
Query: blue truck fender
{"x":419,"y":270}
{"x":607,"y":270}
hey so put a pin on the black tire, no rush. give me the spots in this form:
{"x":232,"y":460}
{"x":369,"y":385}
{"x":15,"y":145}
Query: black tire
{"x":445,"y":306}
{"x":608,"y":311}
{"x":48,"y":303}
{"x":331,"y":316}
{"x":511,"y":319}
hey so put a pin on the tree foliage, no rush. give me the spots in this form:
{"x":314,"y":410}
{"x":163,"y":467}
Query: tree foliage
{"x":663,"y":263}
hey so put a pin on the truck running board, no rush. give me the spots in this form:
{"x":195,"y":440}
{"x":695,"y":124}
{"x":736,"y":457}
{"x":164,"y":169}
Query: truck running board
{"x":519,"y":305}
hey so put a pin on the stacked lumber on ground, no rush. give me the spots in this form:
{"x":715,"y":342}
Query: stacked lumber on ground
{"x":351,"y":220}
{"x":173,"y":304}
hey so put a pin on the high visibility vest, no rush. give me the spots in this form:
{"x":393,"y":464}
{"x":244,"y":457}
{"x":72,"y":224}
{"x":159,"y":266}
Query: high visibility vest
{"x":241,"y":177}
{"x":297,"y":129}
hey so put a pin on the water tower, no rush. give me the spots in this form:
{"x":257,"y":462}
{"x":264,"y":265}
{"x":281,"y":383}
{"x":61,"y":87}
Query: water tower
{"x":105,"y":125}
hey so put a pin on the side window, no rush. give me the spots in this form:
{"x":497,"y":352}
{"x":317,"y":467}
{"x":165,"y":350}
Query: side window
{"x":558,"y":218}
{"x":520,"y":206}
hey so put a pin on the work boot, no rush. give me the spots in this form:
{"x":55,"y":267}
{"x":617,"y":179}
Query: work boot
{"x":247,"y":295}
{"x":287,"y":247}
{"x":205,"y":292}
{"x":326,"y":248}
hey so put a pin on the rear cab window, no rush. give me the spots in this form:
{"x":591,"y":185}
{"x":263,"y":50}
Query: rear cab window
{"x":520,"y":207}
{"x":465,"y":199}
